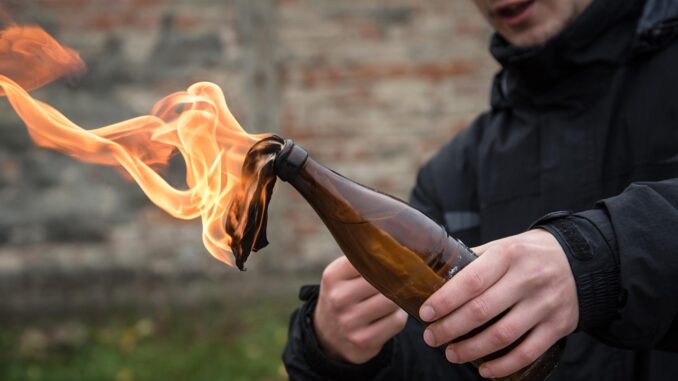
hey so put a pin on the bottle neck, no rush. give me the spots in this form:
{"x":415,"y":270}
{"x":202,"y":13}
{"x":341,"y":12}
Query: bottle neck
{"x":315,"y":182}
{"x":322,"y":188}
{"x":290,"y":161}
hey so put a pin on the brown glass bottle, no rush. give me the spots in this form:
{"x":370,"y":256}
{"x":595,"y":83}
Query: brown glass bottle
{"x":399,"y":250}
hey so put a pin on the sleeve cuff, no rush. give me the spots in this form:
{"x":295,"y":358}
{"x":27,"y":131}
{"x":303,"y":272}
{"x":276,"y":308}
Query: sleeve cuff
{"x":318,"y":360}
{"x":589,"y":244}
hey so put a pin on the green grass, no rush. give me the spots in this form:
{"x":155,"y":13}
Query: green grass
{"x":216,"y":343}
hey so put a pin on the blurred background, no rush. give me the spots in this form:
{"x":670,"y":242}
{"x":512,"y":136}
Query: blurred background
{"x":96,"y":283}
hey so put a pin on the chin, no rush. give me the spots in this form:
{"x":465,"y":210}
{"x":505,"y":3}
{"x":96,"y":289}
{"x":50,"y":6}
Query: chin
{"x":530,"y":38}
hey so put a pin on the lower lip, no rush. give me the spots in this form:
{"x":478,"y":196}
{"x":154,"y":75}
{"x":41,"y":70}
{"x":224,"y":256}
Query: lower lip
{"x":519,"y":18}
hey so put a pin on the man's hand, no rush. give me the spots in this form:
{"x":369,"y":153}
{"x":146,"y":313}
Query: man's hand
{"x":352,"y":319}
{"x":528,"y":275}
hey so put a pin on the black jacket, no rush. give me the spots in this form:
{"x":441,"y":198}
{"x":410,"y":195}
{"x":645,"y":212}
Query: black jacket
{"x":586,"y":124}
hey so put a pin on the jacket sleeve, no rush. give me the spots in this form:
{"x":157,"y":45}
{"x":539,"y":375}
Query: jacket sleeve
{"x":401,"y":359}
{"x":406,"y":356}
{"x":624,"y":257}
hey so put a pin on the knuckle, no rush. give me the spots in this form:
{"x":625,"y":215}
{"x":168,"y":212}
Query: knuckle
{"x":474,"y":281}
{"x":479,"y":309}
{"x":361,"y":340}
{"x":336,"y":299}
{"x":332,"y":272}
{"x":515,"y":249}
{"x":563,"y":326}
{"x":551,"y":302}
{"x":328,"y":277}
{"x":560,"y":328}
{"x":545,"y":273}
{"x":343,"y":322}
{"x":538,"y":276}
{"x":504,"y":334}
{"x":526,"y":355}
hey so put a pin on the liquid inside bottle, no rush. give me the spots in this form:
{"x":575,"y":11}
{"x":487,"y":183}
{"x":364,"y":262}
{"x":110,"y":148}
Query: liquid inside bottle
{"x":398,"y":249}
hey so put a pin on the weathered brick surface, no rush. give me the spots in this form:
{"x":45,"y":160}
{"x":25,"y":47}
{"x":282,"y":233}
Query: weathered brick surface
{"x":370,"y":88}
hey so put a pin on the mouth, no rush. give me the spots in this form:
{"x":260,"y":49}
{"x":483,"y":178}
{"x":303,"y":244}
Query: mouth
{"x":513,"y":12}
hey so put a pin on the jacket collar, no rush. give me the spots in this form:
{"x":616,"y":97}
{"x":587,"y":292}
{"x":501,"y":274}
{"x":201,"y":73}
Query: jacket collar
{"x":601,"y":36}
{"x":657,"y":14}
{"x":658,"y":25}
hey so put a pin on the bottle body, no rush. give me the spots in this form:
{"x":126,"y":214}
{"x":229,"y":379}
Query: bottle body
{"x":398,"y":249}
{"x":375,"y":233}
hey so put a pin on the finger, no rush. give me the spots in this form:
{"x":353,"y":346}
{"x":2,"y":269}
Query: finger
{"x":478,"y":311}
{"x":540,"y":339}
{"x":375,"y":308}
{"x":501,"y":334}
{"x":344,"y":295}
{"x":358,"y":289}
{"x":345,"y":269}
{"x":381,"y":330}
{"x":340,"y":269}
{"x":470,"y":282}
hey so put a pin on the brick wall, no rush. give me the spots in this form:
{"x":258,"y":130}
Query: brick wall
{"x":370,"y":88}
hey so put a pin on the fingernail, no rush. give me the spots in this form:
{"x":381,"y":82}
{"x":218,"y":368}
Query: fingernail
{"x":430,"y":338}
{"x":484,"y":372}
{"x":427,"y":313}
{"x":451,"y":355}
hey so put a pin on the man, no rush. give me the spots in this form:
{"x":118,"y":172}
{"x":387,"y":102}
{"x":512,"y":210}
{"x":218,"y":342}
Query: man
{"x":584,"y":109}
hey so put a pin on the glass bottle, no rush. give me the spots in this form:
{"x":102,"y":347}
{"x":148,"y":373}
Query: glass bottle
{"x":398,"y":249}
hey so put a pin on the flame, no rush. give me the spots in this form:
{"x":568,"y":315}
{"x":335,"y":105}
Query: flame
{"x":195,"y":123}
{"x":32,"y":58}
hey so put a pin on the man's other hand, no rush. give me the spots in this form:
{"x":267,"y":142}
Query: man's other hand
{"x":352,"y":319}
{"x":528,"y":276}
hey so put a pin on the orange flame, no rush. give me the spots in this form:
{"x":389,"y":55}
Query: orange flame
{"x":196,"y":123}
